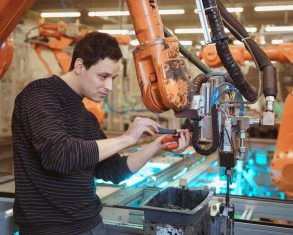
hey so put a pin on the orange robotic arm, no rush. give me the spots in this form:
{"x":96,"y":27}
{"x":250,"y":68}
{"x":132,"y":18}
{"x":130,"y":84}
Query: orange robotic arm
{"x":162,"y":75}
{"x":280,"y":53}
{"x":282,"y":164}
{"x":10,"y":14}
{"x":6,"y":54}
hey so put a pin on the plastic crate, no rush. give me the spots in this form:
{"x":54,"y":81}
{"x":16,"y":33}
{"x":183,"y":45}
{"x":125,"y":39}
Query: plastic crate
{"x":7,"y":225}
{"x":177,"y":206}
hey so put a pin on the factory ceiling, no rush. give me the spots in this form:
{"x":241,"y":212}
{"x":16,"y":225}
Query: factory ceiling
{"x":248,"y":17}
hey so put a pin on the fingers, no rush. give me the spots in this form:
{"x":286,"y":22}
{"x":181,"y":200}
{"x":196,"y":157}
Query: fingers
{"x":147,"y":122}
{"x":188,"y":138}
{"x":147,"y":131}
{"x":183,"y":142}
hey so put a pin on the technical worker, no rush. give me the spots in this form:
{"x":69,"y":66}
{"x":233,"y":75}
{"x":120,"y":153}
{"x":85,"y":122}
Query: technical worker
{"x":59,"y":147}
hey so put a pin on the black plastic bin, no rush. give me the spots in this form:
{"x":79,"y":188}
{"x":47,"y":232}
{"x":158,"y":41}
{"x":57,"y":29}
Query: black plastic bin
{"x":177,"y":206}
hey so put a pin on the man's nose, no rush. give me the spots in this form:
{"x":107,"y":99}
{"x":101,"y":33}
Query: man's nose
{"x":109,"y":84}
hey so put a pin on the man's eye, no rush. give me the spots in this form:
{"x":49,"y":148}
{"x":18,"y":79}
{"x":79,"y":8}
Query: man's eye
{"x":103,"y":77}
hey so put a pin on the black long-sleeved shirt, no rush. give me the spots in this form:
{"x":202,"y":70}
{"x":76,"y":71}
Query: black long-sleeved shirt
{"x":56,"y":160}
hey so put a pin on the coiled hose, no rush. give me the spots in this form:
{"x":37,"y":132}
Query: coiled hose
{"x":264,"y":64}
{"x":221,"y":40}
{"x":216,"y":136}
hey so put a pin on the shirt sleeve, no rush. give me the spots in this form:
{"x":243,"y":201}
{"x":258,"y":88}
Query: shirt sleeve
{"x":114,"y":169}
{"x":44,"y":125}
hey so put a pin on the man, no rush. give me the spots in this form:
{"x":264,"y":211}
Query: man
{"x":59,"y":147}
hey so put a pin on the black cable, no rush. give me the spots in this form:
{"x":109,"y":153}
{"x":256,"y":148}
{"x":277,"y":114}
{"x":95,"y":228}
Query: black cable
{"x":215,"y":128}
{"x":229,"y":137}
{"x":262,"y":61}
{"x":221,"y":39}
{"x":227,"y":196}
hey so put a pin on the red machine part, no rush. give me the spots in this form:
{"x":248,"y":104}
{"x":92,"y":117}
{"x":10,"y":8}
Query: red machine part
{"x":162,"y":75}
{"x":282,"y":164}
{"x":6,"y":55}
{"x":10,"y":14}
{"x":281,"y":53}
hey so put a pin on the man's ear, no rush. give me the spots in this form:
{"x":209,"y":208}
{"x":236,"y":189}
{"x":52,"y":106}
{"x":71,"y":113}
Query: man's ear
{"x":78,"y":66}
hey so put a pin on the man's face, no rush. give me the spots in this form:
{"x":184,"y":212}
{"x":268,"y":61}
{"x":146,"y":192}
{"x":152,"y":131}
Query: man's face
{"x":96,"y":82}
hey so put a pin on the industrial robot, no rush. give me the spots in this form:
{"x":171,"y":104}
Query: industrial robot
{"x":212,"y":101}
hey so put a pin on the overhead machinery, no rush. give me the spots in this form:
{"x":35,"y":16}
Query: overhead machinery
{"x":213,"y":102}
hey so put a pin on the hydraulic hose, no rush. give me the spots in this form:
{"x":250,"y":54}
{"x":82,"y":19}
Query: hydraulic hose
{"x":216,"y":136}
{"x":188,"y":55}
{"x":221,"y":40}
{"x":197,"y":82}
{"x":264,"y":64}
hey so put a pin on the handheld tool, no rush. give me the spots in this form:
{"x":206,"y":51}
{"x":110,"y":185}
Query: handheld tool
{"x":164,"y":131}
{"x":173,"y":140}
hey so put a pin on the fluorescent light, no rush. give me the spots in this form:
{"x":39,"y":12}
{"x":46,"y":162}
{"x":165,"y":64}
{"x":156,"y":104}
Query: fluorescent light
{"x":134,"y":42}
{"x":278,"y":28}
{"x":60,"y":14}
{"x":131,"y":32}
{"x":251,"y":29}
{"x":126,"y":13}
{"x":108,"y":13}
{"x":114,"y":31}
{"x":184,"y":43}
{"x":248,"y":29}
{"x":172,"y":12}
{"x":274,"y":8}
{"x":277,"y":41}
{"x":187,"y":31}
{"x":236,"y":42}
{"x":229,"y":9}
{"x":234,"y":9}
{"x":199,"y":30}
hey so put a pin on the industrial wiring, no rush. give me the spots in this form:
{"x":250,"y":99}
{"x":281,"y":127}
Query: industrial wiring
{"x":216,"y":96}
{"x":244,"y":41}
{"x":241,"y":113}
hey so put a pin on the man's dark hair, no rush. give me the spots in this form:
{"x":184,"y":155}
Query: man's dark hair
{"x":95,"y":46}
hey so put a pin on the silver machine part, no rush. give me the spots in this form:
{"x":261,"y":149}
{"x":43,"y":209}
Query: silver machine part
{"x":203,"y":21}
{"x":223,"y":223}
{"x":269,"y":115}
{"x":227,"y":133}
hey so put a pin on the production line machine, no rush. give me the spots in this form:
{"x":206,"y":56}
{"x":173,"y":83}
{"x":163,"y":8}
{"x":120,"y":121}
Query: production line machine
{"x":212,"y":101}
{"x":124,"y":204}
{"x":214,"y":104}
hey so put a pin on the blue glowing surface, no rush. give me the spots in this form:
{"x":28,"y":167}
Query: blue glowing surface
{"x":261,"y":159}
{"x":148,"y":170}
{"x":251,"y":177}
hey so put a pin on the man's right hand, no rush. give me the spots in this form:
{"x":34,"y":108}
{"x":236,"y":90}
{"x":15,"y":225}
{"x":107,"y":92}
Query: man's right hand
{"x":141,"y":127}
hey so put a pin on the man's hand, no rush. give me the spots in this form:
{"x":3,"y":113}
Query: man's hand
{"x":141,"y":127}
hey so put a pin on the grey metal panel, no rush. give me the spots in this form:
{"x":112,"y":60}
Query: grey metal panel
{"x":7,"y":225}
{"x":256,"y":229}
{"x":274,"y":209}
{"x":113,"y":228}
